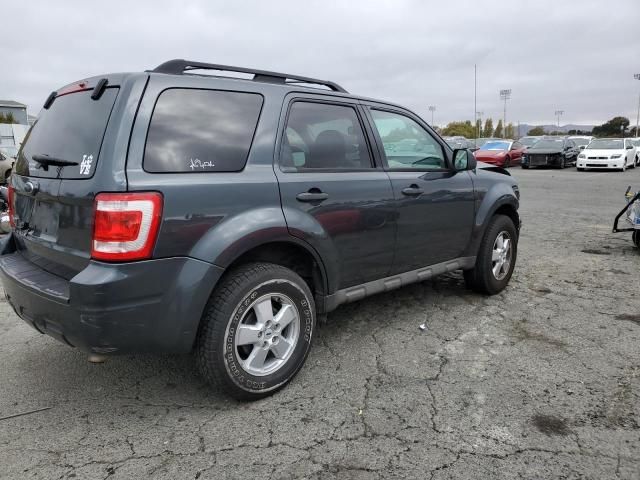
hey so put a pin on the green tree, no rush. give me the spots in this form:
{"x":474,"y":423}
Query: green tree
{"x":510,"y":131}
{"x":613,"y":128}
{"x":488,"y":128}
{"x":536,"y":131}
{"x":7,"y":118}
{"x":463,"y":129}
{"x":498,"y":132}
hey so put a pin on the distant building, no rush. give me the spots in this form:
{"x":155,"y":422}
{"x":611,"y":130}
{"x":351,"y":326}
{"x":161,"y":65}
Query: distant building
{"x":19,"y":111}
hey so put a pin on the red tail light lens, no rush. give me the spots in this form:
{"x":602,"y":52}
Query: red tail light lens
{"x":125,"y":226}
{"x":11,"y":207}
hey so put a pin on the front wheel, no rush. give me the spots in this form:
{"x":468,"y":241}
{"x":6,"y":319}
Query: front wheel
{"x":562,"y":163}
{"x":256,"y":330}
{"x":507,"y":163}
{"x":524,"y":166}
{"x":496,"y":257}
{"x":636,"y":238}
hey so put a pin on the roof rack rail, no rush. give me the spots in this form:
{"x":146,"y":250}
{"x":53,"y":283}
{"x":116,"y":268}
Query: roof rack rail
{"x":179,"y":66}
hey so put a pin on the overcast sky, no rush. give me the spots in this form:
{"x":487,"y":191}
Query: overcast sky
{"x":573,"y":55}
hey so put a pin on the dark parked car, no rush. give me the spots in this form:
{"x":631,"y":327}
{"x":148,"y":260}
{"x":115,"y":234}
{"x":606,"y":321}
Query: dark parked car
{"x":163,"y":211}
{"x":501,"y":152}
{"x":555,"y":152}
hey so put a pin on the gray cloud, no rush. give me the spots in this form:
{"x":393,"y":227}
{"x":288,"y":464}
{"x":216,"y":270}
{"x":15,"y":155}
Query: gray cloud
{"x":578,"y":56}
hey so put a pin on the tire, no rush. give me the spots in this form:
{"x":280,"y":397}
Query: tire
{"x":526,"y":167}
{"x":580,"y":169}
{"x":562,"y":163}
{"x":234,"y":307}
{"x":507,"y":162}
{"x":624,"y":167}
{"x":635,"y":236}
{"x":482,"y":278}
{"x":637,"y":161}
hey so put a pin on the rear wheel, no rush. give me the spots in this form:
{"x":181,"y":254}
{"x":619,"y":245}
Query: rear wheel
{"x":256,"y":330}
{"x":496,"y":257}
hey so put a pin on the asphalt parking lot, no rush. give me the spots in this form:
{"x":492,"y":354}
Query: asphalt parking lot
{"x":540,"y":381}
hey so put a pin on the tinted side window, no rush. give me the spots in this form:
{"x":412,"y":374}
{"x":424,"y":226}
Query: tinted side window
{"x":406,"y":143}
{"x":322,"y":136}
{"x":201,"y":131}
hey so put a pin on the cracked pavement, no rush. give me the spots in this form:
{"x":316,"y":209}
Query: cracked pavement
{"x":540,"y":381}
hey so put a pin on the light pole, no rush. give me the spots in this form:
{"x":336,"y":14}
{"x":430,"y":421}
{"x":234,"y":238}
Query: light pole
{"x":637,"y":77}
{"x":432,"y":108}
{"x":479,"y":127}
{"x":558,"y":114}
{"x":505,"y":95}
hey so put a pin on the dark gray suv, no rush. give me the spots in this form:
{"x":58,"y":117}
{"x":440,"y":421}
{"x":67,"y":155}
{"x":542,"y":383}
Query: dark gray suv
{"x":170,"y":211}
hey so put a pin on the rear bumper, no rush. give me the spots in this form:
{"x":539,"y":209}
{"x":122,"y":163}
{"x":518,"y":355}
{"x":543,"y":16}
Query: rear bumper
{"x":148,"y":306}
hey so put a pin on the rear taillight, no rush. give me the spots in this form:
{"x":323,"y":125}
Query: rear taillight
{"x":10,"y":206}
{"x":125,"y":225}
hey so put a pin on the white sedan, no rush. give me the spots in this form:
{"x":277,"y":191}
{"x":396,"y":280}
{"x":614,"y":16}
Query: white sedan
{"x":611,"y":153}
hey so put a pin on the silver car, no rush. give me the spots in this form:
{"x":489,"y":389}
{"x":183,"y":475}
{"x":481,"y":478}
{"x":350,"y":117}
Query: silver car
{"x":8,"y":156}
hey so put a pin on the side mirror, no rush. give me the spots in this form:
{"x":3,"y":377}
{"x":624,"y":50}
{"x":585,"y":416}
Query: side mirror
{"x":582,"y":147}
{"x":629,"y":147}
{"x":463,"y":159}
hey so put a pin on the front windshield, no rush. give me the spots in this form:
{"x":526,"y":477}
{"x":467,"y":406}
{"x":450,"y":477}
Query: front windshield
{"x":528,"y":141}
{"x":606,"y":144}
{"x":545,"y":143}
{"x":495,"y":146}
{"x":580,"y":141}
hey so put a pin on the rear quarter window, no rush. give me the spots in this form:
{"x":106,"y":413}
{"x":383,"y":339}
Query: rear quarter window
{"x":195,"y":130}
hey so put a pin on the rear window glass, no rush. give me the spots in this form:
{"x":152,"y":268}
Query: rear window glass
{"x":71,"y":130}
{"x":201,"y":131}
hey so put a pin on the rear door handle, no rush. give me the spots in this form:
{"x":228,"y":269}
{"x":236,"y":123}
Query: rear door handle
{"x":412,"y":191}
{"x":312,"y":196}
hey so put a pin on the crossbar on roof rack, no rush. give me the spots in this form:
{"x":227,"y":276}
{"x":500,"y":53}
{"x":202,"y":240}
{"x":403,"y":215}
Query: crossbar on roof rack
{"x":179,"y":66}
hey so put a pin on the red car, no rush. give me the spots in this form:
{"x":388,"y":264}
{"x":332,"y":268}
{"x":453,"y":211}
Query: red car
{"x":503,"y":153}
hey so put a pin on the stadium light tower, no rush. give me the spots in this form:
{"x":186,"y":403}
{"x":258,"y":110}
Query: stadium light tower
{"x":559,"y":113}
{"x":505,"y":95}
{"x":432,"y":108}
{"x":637,"y":77}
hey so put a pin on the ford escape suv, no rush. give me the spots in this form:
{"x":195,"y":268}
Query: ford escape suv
{"x":180,"y":210}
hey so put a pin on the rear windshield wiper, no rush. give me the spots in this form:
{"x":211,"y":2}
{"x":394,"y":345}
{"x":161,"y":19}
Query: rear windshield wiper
{"x":46,"y":160}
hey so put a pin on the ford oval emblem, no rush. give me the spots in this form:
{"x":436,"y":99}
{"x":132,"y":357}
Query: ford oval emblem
{"x":30,"y":188}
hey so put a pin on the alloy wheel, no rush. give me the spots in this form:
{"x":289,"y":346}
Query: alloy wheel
{"x":501,"y":255}
{"x":267,"y":334}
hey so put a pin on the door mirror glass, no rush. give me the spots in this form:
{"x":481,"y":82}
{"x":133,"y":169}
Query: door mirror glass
{"x":463,"y":159}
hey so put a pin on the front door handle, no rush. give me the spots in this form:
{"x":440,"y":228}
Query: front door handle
{"x":412,"y":191}
{"x":313,"y":195}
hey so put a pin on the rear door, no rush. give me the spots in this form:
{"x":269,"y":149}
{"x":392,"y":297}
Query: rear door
{"x":434,"y":203}
{"x":333,"y":196}
{"x":57,"y":175}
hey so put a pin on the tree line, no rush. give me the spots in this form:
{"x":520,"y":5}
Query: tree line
{"x":7,"y":118}
{"x":616,"y":127}
{"x":468,"y":130}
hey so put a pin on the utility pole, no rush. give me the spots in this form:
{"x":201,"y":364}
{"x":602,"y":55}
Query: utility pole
{"x":475,"y":94}
{"x":432,"y":108}
{"x":558,"y":114}
{"x":637,"y":77}
{"x":505,"y":95}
